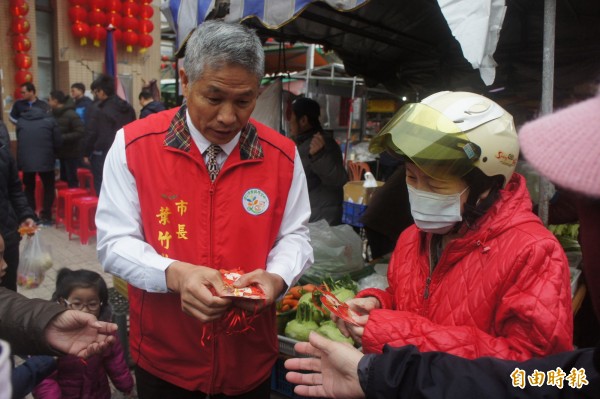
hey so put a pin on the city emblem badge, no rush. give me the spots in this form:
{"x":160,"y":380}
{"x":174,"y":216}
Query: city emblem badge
{"x":255,"y":201}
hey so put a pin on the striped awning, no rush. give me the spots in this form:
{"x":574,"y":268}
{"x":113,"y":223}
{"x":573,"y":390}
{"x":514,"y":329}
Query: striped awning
{"x":185,"y":15}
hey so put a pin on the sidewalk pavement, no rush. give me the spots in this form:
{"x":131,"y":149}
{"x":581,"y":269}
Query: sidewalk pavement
{"x":65,"y":253}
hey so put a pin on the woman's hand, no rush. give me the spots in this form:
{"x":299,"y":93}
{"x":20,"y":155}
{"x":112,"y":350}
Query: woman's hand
{"x":361,"y":307}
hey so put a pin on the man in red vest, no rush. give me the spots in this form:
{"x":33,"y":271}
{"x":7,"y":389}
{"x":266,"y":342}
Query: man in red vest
{"x":189,"y":192}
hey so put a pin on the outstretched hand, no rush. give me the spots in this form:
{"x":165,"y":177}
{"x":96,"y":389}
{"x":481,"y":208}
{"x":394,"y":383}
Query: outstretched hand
{"x":78,"y":333}
{"x":334,"y":366}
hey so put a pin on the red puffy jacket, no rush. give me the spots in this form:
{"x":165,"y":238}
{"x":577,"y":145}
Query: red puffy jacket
{"x":500,"y":290}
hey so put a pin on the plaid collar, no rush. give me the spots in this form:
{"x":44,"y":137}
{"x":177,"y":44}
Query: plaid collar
{"x":179,"y":137}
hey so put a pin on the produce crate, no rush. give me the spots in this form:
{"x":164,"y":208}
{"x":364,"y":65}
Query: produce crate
{"x":286,"y":346}
{"x":352,"y":213}
{"x":121,"y":286}
{"x":278,"y":382}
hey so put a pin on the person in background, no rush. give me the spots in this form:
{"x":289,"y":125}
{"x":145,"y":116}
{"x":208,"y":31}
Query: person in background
{"x":86,"y":291}
{"x":29,"y":100}
{"x":72,"y":131}
{"x":565,"y":148}
{"x":193,"y":190}
{"x":478,"y":274}
{"x":39,"y":327}
{"x":82,"y":102}
{"x":38,"y":141}
{"x":148,"y":104}
{"x":383,"y":227}
{"x":109,"y":115}
{"x":322,"y":160}
{"x":14,"y":210}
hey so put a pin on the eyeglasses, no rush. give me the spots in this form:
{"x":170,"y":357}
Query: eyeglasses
{"x":92,"y":306}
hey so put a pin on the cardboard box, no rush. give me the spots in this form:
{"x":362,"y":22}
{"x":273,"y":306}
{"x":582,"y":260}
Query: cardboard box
{"x":355,"y":192}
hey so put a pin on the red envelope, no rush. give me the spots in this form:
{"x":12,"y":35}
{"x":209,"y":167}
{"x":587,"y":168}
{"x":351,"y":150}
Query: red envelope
{"x":252,"y":291}
{"x":340,"y":309}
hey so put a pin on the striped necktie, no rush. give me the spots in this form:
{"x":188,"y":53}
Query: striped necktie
{"x":211,"y":163}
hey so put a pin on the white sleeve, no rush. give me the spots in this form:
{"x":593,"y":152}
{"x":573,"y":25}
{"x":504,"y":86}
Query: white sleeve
{"x":122,"y":250}
{"x":292,"y":254}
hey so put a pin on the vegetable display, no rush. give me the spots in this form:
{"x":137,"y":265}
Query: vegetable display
{"x":298,"y":314}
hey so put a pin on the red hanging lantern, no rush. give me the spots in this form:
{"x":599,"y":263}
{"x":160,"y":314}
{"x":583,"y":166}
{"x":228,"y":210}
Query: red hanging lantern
{"x":97,"y":34}
{"x":129,"y":23}
{"x":146,"y":26}
{"x":21,"y":43}
{"x":146,"y":11}
{"x":145,"y":41}
{"x":113,"y":6}
{"x":114,"y":19}
{"x":130,"y":39}
{"x":81,"y":30}
{"x":17,"y":93}
{"x":23,"y":61}
{"x":118,"y":35}
{"x":130,"y":9}
{"x":96,"y":17}
{"x":23,"y":76}
{"x":97,"y":4}
{"x":20,"y":25}
{"x":18,"y":8}
{"x":77,"y":14}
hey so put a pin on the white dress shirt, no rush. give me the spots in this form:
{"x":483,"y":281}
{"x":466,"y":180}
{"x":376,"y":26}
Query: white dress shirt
{"x":121,"y":247}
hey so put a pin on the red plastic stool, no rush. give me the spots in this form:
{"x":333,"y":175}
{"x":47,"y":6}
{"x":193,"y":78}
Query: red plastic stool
{"x":58,"y":185}
{"x":86,"y":180}
{"x":64,"y":202}
{"x":83,"y":218}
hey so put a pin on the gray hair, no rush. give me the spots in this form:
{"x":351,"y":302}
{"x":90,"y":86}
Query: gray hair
{"x":215,"y":44}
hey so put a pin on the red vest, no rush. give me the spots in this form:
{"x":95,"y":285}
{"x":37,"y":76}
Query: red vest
{"x":230,"y":224}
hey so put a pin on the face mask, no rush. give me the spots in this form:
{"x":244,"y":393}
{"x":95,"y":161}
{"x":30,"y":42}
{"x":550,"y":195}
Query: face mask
{"x":434,"y":213}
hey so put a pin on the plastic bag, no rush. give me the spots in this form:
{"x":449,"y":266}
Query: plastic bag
{"x":337,"y":250}
{"x":34,"y":260}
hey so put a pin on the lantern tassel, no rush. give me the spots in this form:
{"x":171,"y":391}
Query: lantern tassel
{"x":83,"y":41}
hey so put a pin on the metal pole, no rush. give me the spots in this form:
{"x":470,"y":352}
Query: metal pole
{"x":350,"y":117}
{"x":546,"y":106}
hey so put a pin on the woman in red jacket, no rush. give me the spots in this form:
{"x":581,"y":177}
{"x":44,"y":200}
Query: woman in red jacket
{"x":478,"y":274}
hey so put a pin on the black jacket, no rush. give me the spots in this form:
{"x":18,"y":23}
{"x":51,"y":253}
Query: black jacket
{"x":38,"y":140}
{"x":106,"y":119}
{"x":14,"y":208}
{"x":325,"y":175}
{"x":71,"y":129}
{"x":407,"y":373}
{"x":151,"y":108}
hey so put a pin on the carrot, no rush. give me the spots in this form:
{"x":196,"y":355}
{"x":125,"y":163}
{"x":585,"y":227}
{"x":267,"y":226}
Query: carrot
{"x":295,"y":291}
{"x":285,"y":308}
{"x":291,"y":302}
{"x":309,"y":287}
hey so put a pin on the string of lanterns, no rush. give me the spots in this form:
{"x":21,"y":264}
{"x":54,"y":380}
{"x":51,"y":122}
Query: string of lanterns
{"x":131,"y":20}
{"x":21,"y":44}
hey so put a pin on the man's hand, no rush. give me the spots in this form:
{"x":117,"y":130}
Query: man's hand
{"x":199,"y":287}
{"x":316,"y":144}
{"x":79,"y":333}
{"x":272,"y":285}
{"x":334,"y":366}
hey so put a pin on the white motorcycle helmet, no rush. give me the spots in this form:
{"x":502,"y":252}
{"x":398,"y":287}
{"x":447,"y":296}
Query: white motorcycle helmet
{"x":450,"y":133}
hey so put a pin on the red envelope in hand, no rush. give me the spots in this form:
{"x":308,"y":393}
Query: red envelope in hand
{"x":252,"y":291}
{"x":340,"y":309}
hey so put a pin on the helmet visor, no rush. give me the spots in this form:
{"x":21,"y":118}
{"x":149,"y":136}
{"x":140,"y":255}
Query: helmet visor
{"x":429,"y":139}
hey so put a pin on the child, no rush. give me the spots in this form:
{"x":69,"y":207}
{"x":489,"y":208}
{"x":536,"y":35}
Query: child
{"x":75,"y":378}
